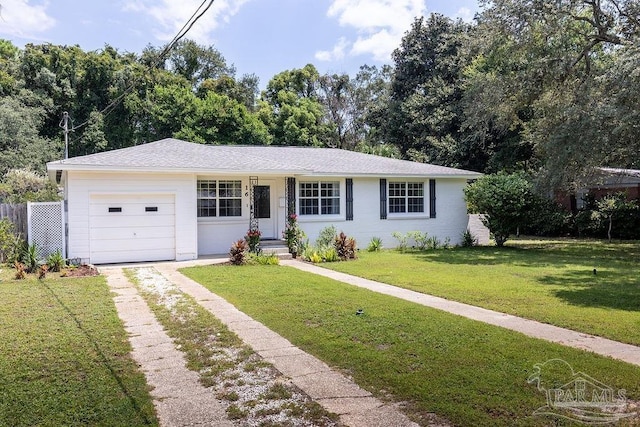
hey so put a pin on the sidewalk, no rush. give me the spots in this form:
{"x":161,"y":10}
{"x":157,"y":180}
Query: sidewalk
{"x":605,"y":347}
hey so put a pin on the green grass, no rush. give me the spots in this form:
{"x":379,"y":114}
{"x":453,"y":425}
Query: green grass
{"x":434,"y":362}
{"x":64,"y":356}
{"x":550,"y":281}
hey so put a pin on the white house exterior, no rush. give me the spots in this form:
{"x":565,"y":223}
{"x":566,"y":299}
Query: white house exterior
{"x":176,"y":200}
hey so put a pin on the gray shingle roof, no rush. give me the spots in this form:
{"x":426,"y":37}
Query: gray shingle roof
{"x":176,"y":155}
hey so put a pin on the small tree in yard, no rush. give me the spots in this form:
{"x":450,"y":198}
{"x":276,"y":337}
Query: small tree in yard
{"x":608,"y":207}
{"x":503,"y":199}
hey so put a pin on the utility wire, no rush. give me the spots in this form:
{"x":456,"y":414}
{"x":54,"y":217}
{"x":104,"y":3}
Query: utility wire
{"x":161,"y":57}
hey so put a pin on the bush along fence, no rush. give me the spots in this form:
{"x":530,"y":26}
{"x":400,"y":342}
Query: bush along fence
{"x":17,"y":214}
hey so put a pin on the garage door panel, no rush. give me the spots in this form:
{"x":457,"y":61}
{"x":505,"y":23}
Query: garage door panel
{"x":125,"y":244}
{"x":132,"y":256}
{"x":138,"y":228}
{"x":131,"y":209}
{"x":133,"y":221}
{"x":118,"y":233}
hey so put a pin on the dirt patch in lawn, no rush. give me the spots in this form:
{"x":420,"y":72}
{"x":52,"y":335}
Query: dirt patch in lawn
{"x":83,"y":270}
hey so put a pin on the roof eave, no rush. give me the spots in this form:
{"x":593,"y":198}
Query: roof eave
{"x":199,"y":171}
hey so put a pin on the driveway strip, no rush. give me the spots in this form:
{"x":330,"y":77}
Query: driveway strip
{"x":335,"y":392}
{"x":179,"y":398}
{"x":605,"y":347}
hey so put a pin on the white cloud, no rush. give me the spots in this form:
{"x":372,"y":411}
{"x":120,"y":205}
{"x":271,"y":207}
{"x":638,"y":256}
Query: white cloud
{"x":337,"y":53}
{"x":23,"y":18}
{"x":380,"y":24}
{"x":465,"y":14}
{"x":171,"y":15}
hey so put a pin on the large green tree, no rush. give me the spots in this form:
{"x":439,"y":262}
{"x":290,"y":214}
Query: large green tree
{"x":291,"y":109}
{"x":548,"y":85}
{"x":424,"y":109}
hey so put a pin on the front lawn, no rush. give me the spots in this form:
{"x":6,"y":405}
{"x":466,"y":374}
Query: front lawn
{"x":551,"y":281}
{"x":465,"y":371}
{"x":64,"y":356}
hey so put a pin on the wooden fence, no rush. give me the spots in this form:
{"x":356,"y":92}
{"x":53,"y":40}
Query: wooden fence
{"x":16,"y":213}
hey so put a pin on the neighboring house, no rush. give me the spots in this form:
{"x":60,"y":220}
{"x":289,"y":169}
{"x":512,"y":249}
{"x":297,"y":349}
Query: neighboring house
{"x":602,"y":182}
{"x":176,"y":200}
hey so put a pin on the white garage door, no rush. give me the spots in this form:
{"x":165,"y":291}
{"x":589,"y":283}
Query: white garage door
{"x":132,"y":228}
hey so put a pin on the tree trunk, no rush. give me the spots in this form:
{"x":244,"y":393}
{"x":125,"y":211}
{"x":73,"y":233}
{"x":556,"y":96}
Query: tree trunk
{"x":610,"y":224}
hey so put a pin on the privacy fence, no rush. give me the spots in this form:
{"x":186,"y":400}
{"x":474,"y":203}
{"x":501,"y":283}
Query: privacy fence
{"x":41,"y":224}
{"x":17,"y":214}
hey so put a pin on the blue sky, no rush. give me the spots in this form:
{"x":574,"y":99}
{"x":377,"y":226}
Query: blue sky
{"x":263,"y":37}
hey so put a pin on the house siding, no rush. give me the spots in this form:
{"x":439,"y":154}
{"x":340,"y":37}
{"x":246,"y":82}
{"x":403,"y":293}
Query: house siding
{"x":214,"y":236}
{"x":82,"y":185}
{"x":450,"y":222}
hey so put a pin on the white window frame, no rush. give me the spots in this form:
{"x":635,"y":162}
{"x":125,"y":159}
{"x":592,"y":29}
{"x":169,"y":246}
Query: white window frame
{"x":406,"y":194}
{"x":319,"y":194}
{"x":236,"y":189}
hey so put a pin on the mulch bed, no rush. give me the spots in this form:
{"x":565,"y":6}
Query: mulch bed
{"x":80,"y":271}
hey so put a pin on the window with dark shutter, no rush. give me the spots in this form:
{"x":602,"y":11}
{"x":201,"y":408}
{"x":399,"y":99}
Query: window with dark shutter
{"x":383,"y":198}
{"x":432,"y":198}
{"x":291,"y":196}
{"x":349,"y":199}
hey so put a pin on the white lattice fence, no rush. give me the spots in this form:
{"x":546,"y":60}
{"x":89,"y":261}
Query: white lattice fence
{"x":46,"y":227}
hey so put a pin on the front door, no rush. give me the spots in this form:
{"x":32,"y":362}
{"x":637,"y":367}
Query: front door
{"x":264,"y":210}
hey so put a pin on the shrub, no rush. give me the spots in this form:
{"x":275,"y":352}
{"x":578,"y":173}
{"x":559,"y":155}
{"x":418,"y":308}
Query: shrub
{"x":375,"y":244}
{"x":326,"y":237}
{"x":505,"y":200}
{"x":403,"y":240}
{"x":293,"y":235}
{"x":345,"y":246}
{"x":238,"y":252}
{"x":22,"y":185}
{"x":42,"y":271}
{"x":468,"y":239}
{"x":56,"y":262}
{"x":330,"y":255}
{"x":315,"y":258}
{"x":422,"y":240}
{"x":546,"y":218}
{"x":20,"y":273}
{"x":30,"y":258}
{"x":11,"y":244}
{"x":253,"y":240}
{"x":263,"y":259}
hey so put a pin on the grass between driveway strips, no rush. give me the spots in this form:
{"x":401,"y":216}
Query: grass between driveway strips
{"x":64,"y":356}
{"x":255,"y":393}
{"x":465,"y":371}
{"x":551,"y":281}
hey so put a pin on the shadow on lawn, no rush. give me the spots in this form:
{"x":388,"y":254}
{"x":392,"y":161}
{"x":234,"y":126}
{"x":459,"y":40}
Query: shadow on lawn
{"x":490,"y":255}
{"x":588,"y":254}
{"x":103,"y":358}
{"x":611,"y":288}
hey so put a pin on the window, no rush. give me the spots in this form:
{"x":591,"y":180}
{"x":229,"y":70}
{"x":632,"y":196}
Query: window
{"x":219,"y":198}
{"x":319,"y":198}
{"x":406,"y":197}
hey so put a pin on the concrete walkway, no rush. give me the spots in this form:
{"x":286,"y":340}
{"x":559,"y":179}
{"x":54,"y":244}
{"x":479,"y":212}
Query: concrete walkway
{"x":605,"y":347}
{"x":332,"y":390}
{"x":177,"y":395}
{"x":180,"y":400}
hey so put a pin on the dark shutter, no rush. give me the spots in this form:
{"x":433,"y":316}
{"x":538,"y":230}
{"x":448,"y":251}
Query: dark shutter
{"x":349,"y":183}
{"x":383,"y":198}
{"x":432,"y":198}
{"x":291,"y":196}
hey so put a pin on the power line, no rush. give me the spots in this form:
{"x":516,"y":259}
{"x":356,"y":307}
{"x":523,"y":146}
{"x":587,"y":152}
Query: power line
{"x":161,"y":57}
